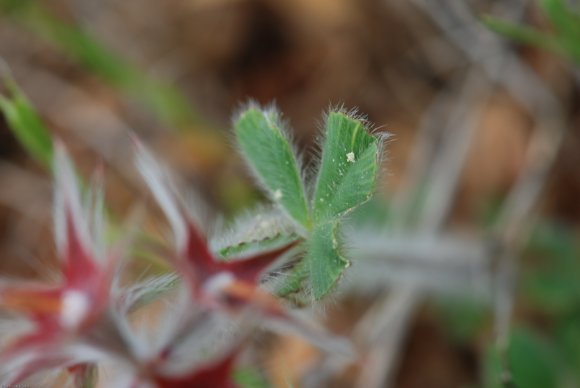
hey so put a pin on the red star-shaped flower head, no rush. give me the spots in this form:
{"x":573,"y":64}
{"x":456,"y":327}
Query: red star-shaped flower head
{"x":229,"y":285}
{"x":63,"y":311}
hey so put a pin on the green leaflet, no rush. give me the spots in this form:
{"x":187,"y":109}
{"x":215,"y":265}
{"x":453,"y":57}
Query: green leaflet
{"x":346,"y":179}
{"x":348,"y":167}
{"x":270,"y":155}
{"x":325,"y":259}
{"x":26,"y":124}
{"x":256,"y":245}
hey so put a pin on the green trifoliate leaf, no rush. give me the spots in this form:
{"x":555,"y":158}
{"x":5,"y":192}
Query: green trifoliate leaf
{"x":266,"y":148}
{"x":348,"y":168}
{"x":346,"y":178}
{"x":325,"y":259}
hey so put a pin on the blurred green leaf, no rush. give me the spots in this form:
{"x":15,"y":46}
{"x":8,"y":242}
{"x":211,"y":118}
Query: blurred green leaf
{"x":531,"y":360}
{"x":348,"y":168}
{"x":267,"y":149}
{"x":462,"y":318}
{"x":26,"y":124}
{"x":552,"y":282}
{"x":555,"y":290}
{"x":554,"y":240}
{"x":567,"y":332}
{"x":250,"y":378}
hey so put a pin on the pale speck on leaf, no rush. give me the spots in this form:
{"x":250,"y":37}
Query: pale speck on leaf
{"x":350,"y":157}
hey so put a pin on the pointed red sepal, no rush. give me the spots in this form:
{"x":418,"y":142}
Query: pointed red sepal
{"x":249,"y":269}
{"x":199,"y":259}
{"x":86,"y":277}
{"x":79,"y":267}
{"x":198,"y":265}
{"x":63,"y":311}
{"x":201,"y":264}
{"x":82,"y":295}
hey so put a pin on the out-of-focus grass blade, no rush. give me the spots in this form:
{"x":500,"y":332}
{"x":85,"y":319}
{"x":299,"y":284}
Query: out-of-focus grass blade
{"x":565,"y":20}
{"x":563,"y":17}
{"x":269,"y":153}
{"x":25,"y":123}
{"x":524,"y":34}
{"x":85,"y":49}
{"x":165,"y":100}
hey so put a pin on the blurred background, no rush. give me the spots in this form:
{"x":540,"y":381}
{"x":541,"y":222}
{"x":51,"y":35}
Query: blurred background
{"x":471,"y":270}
